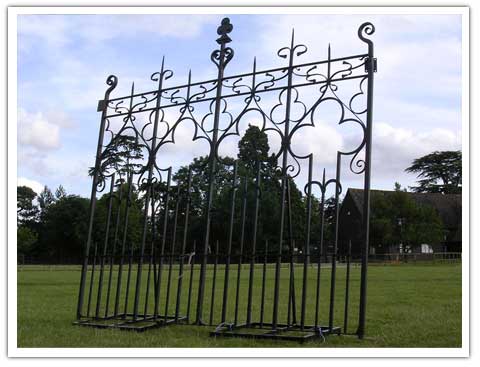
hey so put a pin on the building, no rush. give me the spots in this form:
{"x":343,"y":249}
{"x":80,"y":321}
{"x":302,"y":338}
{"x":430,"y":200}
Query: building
{"x":448,"y":207}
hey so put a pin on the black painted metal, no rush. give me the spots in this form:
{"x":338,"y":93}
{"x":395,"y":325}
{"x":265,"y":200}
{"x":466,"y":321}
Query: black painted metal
{"x":137,"y":181}
{"x":348,"y":258}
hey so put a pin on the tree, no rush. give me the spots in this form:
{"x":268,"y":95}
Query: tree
{"x":253,"y":150}
{"x":397,"y":219}
{"x":198,"y":195}
{"x":45,"y":199}
{"x":253,"y":147}
{"x":26,"y":210}
{"x":65,"y":224}
{"x":439,"y":172}
{"x":135,"y":218}
{"x":25,"y":240}
{"x":60,"y":192}
{"x":120,"y":155}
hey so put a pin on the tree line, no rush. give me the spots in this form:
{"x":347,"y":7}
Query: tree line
{"x":54,"y":225}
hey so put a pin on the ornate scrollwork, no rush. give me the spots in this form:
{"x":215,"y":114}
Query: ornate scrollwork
{"x":112,"y":81}
{"x":168,"y":107}
{"x":368,"y":29}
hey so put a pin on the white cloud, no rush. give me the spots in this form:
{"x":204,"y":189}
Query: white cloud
{"x":395,"y":148}
{"x":34,"y":185}
{"x":52,"y":31}
{"x":34,"y":130}
{"x":417,"y":85}
{"x":419,"y":56}
{"x":100,"y":28}
{"x":63,"y":30}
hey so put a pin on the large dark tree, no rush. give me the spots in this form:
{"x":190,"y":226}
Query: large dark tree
{"x":27,"y":215}
{"x":122,"y":155}
{"x":45,"y":198}
{"x":26,"y":238}
{"x":253,"y":147}
{"x":60,"y":192}
{"x":65,"y":227}
{"x":135,"y":219}
{"x":26,"y":210}
{"x":438,"y":172}
{"x":254,"y":152}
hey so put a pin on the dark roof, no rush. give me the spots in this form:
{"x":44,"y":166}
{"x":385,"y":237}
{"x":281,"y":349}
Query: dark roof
{"x":448,"y":206}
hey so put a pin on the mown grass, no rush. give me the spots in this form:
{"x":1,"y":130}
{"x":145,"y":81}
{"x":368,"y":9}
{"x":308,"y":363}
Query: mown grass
{"x":408,"y":306}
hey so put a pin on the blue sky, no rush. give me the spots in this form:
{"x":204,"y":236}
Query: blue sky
{"x":63,"y":61}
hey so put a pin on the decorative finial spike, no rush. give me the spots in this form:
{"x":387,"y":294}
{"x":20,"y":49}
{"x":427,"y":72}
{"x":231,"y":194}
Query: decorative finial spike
{"x":224,"y":28}
{"x":293,"y":37}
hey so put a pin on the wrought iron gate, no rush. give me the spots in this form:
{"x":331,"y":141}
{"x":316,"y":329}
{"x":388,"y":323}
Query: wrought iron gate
{"x":182,"y":260}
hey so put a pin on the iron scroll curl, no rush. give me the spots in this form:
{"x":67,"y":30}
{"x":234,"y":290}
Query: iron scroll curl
{"x":368,"y":29}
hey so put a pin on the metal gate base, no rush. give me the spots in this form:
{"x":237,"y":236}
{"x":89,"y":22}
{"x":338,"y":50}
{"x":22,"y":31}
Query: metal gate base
{"x":127,"y":323}
{"x":282,"y":332}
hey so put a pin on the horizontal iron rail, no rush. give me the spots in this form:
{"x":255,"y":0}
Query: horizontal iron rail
{"x":314,"y":63}
{"x":231,"y":95}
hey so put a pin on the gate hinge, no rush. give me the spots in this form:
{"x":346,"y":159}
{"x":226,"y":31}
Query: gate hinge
{"x":372,"y":64}
{"x":101,"y":105}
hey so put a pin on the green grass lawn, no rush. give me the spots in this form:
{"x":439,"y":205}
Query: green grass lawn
{"x":408,"y":306}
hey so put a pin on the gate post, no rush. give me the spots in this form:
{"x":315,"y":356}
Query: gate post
{"x":112,"y":81}
{"x":370,"y":65}
{"x":220,"y":58}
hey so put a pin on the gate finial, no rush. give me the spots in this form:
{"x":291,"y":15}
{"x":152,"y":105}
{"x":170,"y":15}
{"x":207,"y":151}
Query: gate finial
{"x":224,"y":28}
{"x":368,"y":29}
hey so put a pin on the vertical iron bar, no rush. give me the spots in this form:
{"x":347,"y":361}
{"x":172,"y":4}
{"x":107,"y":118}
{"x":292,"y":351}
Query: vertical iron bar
{"x":306,"y":249}
{"x":138,"y":284}
{"x":162,"y":249}
{"x":320,"y":250}
{"x":240,"y":257}
{"x":264,"y":275}
{"x":254,"y":244}
{"x":317,"y":295}
{"x":124,"y":240}
{"x":151,"y":164}
{"x":172,"y":252}
{"x":223,"y":58}
{"x":105,"y":246}
{"x":347,"y":287}
{"x":229,"y":248}
{"x":152,"y":252}
{"x":335,"y":244}
{"x":129,"y":278}
{"x":184,"y":244}
{"x":292,"y":246}
{"x":212,"y":301}
{"x":114,"y":250}
{"x":291,"y":290}
{"x":285,"y":144}
{"x":92,"y":277}
{"x":370,"y":62}
{"x":102,"y":106}
{"x":132,"y":250}
{"x":192,"y":267}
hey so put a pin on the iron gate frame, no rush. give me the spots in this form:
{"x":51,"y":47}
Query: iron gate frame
{"x":151,"y":102}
